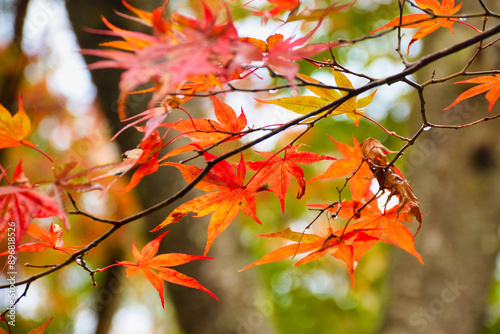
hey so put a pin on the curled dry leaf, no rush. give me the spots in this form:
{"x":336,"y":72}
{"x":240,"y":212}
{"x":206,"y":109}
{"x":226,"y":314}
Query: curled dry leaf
{"x":389,"y":177}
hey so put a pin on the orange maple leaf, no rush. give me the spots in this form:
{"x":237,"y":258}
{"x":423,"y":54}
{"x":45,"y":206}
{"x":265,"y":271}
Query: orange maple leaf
{"x":53,"y":240}
{"x":13,"y":129}
{"x":41,"y":329}
{"x":229,"y":194}
{"x":388,"y":223}
{"x":205,"y":132}
{"x":353,"y":165}
{"x":156,"y":269}
{"x":318,"y":247}
{"x":277,"y":172}
{"x":427,"y":23}
{"x":304,"y":242}
{"x":38,"y":330}
{"x":487,"y":83}
{"x":279,"y":7}
{"x":371,"y":225}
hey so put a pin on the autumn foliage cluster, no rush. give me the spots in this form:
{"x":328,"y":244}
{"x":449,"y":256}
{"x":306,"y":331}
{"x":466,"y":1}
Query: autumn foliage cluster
{"x":185,"y":58}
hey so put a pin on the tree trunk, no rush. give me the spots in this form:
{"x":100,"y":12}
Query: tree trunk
{"x":196,"y":311}
{"x":456,"y":176}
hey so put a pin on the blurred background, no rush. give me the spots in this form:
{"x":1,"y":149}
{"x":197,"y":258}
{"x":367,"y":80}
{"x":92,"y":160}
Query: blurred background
{"x":454,"y":174}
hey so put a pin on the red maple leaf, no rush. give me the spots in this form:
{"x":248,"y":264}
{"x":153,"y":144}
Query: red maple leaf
{"x":229,"y":195}
{"x":353,"y":165}
{"x":427,"y":23}
{"x":282,"y":53}
{"x":194,"y":47}
{"x":19,"y":204}
{"x":205,"y":132}
{"x":51,"y":240}
{"x":156,"y":269}
{"x":277,"y":172}
{"x":488,"y":83}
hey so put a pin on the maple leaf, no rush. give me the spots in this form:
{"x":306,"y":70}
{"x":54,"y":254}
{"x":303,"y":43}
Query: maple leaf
{"x":39,"y":330}
{"x":304,"y":242}
{"x":487,"y":83}
{"x":277,"y":172}
{"x":282,"y":53}
{"x":19,"y":203}
{"x":388,"y":223}
{"x":371,"y":225}
{"x":354,"y":166}
{"x":13,"y":129}
{"x":349,"y":247}
{"x":156,"y":269}
{"x":205,"y":132}
{"x":229,"y":195}
{"x":318,"y":247}
{"x":427,"y":23}
{"x":279,"y":7}
{"x":306,"y":104}
{"x":195,"y":48}
{"x":52,"y":240}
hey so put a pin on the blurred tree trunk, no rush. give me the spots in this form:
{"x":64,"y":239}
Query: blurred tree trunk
{"x":13,"y":59}
{"x":13,"y":62}
{"x":456,"y":176}
{"x":196,"y":311}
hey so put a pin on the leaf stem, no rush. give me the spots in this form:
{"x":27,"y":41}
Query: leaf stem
{"x":31,"y":145}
